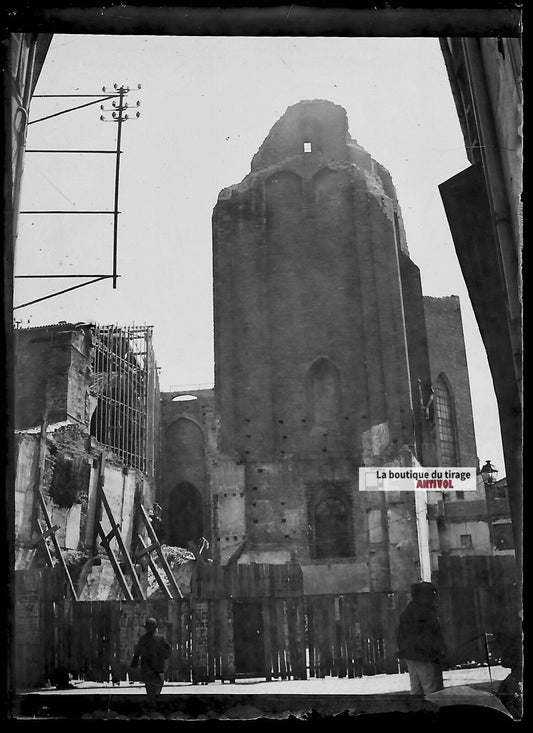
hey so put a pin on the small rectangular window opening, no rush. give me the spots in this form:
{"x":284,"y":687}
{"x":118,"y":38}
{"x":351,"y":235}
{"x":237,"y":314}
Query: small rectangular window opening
{"x":307,"y":147}
{"x":466,"y":541}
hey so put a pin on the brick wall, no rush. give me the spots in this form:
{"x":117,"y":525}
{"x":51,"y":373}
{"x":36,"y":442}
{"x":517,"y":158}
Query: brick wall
{"x":311,"y":361}
{"x":447,"y":355}
{"x":52,"y":371}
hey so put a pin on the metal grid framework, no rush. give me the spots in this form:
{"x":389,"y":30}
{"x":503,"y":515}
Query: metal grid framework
{"x":125,"y":382}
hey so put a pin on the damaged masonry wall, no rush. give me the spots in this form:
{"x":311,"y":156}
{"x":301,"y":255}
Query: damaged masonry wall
{"x":56,"y":379}
{"x":313,"y":373}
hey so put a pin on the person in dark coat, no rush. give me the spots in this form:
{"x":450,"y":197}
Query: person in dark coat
{"x":511,"y":651}
{"x":152,"y":650}
{"x":420,"y":640}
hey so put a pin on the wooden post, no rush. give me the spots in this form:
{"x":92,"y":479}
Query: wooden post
{"x":267,"y":638}
{"x":40,"y":469}
{"x":199,"y":641}
{"x":122,"y":546}
{"x":156,"y":545}
{"x":153,"y":567}
{"x":44,"y":533}
{"x":51,"y":531}
{"x":105,"y":539}
{"x":226,"y":640}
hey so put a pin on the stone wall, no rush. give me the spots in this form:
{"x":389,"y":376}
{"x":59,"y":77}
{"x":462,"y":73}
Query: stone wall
{"x":68,"y":485}
{"x":314,"y":376}
{"x":52,"y":374}
{"x":54,"y":380}
{"x":447,"y":355}
{"x":189,"y":456}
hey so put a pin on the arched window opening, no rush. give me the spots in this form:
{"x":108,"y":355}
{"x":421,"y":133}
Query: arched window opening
{"x":185,"y":515}
{"x":446,"y":432}
{"x":332,"y":529}
{"x":323,"y":393}
{"x":311,"y":134}
{"x":283,"y":198}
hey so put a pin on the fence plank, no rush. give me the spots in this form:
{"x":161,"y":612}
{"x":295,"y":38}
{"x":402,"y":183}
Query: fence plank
{"x":274,"y":637}
{"x":340,"y":643}
{"x":280,"y":619}
{"x":267,"y":639}
{"x":310,"y":636}
{"x":318,"y":634}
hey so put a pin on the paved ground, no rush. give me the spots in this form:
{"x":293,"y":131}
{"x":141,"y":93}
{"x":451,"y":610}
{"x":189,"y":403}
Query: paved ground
{"x":252,"y":699}
{"x":377,"y":684}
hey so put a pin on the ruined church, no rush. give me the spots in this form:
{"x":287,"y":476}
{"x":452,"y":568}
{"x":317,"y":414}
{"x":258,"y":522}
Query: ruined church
{"x":234,"y":514}
{"x":327,"y":358}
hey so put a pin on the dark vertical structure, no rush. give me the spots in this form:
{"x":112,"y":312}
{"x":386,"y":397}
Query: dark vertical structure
{"x":315,"y":297}
{"x":484,"y":209}
{"x":454,"y":422}
{"x":185,"y":478}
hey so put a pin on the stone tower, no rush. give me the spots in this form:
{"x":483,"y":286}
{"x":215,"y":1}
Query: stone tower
{"x":314,"y":298}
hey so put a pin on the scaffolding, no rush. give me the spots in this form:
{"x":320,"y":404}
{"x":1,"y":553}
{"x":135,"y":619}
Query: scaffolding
{"x":125,"y":383}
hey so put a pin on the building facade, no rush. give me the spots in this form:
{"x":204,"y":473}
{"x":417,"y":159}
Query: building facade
{"x":483,"y":205}
{"x":327,"y":359}
{"x":86,"y":417}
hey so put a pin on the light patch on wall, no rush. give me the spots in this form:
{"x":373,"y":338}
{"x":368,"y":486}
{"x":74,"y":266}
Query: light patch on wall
{"x":72,"y":532}
{"x":184,"y":398}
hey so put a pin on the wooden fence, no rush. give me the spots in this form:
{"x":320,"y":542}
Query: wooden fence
{"x":478,"y":601}
{"x":353,"y":635}
{"x":94,"y":640}
{"x":248,"y":620}
{"x":253,"y":621}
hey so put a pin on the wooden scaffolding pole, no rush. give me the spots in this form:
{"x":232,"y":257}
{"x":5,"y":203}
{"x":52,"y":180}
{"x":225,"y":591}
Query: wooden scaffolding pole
{"x":115,"y":534}
{"x":51,"y":532}
{"x":156,"y":546}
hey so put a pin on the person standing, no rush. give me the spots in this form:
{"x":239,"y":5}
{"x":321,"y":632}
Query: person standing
{"x":152,"y":650}
{"x":420,"y":640}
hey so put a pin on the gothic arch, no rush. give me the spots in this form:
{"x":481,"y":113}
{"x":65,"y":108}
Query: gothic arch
{"x":190,"y":418}
{"x":445,"y":422}
{"x":311,"y":133}
{"x":323,"y":393}
{"x":184,"y":465}
{"x":330,"y":517}
{"x":185,"y":515}
{"x":333,"y":189}
{"x":283,"y":195}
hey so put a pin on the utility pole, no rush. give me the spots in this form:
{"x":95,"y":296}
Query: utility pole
{"x":118,"y":115}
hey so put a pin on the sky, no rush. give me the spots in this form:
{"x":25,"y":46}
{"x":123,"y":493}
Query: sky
{"x":207,"y":104}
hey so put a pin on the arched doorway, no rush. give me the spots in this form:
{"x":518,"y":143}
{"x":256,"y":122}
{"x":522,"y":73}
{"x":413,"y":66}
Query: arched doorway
{"x":332,"y":529}
{"x":185,"y":515}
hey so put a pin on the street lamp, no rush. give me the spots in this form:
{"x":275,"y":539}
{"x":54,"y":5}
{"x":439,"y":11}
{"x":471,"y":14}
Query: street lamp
{"x":489,"y":474}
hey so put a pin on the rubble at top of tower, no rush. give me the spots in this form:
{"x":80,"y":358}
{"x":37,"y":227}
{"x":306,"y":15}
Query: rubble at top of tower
{"x":319,"y":127}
